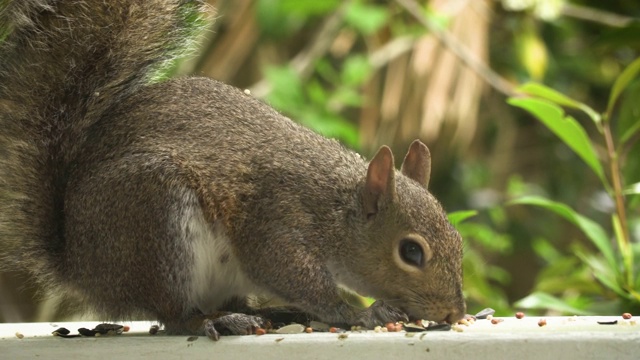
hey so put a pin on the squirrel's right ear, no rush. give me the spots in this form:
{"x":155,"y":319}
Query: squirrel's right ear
{"x":417,"y":164}
{"x":380,"y":182}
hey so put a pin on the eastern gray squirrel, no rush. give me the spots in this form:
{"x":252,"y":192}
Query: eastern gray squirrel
{"x":175,"y":200}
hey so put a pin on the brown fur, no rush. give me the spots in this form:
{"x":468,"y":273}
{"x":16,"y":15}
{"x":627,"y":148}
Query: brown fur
{"x":98,"y":167}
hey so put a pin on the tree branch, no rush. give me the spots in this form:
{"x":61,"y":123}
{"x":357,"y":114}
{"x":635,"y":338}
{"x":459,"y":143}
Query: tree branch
{"x":459,"y":50}
{"x":595,"y":15}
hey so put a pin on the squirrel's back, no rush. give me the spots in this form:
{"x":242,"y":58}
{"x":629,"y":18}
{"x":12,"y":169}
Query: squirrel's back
{"x":64,"y":65}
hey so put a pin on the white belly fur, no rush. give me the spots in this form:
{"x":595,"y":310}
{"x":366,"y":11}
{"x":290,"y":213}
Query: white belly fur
{"x":216,"y":275}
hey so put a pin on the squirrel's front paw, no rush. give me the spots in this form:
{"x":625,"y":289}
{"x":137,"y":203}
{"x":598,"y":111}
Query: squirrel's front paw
{"x":232,"y":324}
{"x":380,"y":313}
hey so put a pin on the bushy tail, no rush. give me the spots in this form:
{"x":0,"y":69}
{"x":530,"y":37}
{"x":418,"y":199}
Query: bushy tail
{"x":63,"y":63}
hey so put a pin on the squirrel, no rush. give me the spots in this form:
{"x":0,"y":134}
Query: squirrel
{"x":178,"y":199}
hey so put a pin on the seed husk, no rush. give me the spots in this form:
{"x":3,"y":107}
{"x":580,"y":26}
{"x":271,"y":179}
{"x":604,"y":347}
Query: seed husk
{"x":439,"y":327}
{"x":109,"y":329}
{"x":319,"y":326}
{"x":61,"y":331}
{"x":291,"y":329}
{"x":484,"y":313}
{"x":87,"y":332}
{"x":413,"y":328}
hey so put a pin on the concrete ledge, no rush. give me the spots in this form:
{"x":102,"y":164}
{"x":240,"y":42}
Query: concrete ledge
{"x":562,"y":338}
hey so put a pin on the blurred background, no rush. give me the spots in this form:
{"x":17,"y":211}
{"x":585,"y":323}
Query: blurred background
{"x":387,"y":72}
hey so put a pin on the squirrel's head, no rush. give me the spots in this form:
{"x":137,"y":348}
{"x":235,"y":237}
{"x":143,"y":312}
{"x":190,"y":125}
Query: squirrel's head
{"x":413,"y":259}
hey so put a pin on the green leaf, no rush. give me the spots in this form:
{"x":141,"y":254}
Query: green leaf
{"x":633,"y":189}
{"x":591,"y":229}
{"x":365,"y":18}
{"x":499,"y":275}
{"x":355,"y":71}
{"x":566,"y":128}
{"x":332,"y":126}
{"x":327,"y":71}
{"x":629,"y":73}
{"x":629,"y":133}
{"x":276,"y":22}
{"x":544,"y":301}
{"x":486,"y":236}
{"x":288,"y":93}
{"x":460,"y":216}
{"x":309,"y":7}
{"x":602,"y":271}
{"x":317,"y":94}
{"x":347,"y":96}
{"x":544,"y":249}
{"x":547,"y":93}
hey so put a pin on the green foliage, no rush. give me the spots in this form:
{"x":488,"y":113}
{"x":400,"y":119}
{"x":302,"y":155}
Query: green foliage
{"x":311,"y":103}
{"x":623,"y":81}
{"x":590,"y":228}
{"x":459,"y":216}
{"x":308,"y":7}
{"x":565,"y":127}
{"x":334,"y":86}
{"x":613,"y":264}
{"x":480,"y":277}
{"x":366,"y":18}
{"x":280,"y":18}
{"x":540,"y":300}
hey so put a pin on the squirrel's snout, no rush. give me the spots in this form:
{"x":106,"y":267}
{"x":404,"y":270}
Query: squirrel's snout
{"x":451,"y":315}
{"x":454,"y":316}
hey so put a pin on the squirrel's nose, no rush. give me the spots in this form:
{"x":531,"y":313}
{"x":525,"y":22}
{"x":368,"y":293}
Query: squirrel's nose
{"x":455,"y":315}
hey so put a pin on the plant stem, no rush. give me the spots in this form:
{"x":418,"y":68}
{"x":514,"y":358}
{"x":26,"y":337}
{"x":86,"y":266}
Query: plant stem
{"x":596,"y":15}
{"x":616,"y":179}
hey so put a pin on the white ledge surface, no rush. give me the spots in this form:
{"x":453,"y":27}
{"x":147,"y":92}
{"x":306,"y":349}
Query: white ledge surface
{"x":562,"y":338}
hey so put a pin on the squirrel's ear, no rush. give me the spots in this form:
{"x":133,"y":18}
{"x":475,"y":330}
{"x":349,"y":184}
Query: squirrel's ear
{"x":380,"y":181}
{"x":417,"y":164}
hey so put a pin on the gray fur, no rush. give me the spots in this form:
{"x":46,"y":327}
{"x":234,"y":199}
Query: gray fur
{"x":100,"y":171}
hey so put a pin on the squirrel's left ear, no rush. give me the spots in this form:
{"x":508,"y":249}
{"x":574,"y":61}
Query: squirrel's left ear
{"x":380,"y":183}
{"x":417,"y":164}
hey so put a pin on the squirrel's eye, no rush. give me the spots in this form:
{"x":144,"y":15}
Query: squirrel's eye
{"x":411,"y":253}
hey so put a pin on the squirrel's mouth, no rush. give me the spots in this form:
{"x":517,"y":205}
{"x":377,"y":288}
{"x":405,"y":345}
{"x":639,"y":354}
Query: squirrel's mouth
{"x":442,"y":314}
